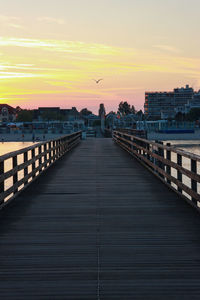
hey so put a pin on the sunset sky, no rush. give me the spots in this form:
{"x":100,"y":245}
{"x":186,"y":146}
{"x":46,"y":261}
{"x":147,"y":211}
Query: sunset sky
{"x":51,"y":50}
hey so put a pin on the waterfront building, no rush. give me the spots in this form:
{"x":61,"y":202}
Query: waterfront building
{"x":56,"y":113}
{"x":7,"y":113}
{"x":164,"y":105}
{"x":194,"y":103}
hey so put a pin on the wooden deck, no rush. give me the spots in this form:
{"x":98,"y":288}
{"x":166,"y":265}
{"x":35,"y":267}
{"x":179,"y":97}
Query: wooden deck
{"x":98,"y":225}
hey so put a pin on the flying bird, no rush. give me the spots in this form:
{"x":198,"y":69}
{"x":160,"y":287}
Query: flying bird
{"x":97,"y":81}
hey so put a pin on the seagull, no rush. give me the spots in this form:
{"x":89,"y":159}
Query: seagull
{"x":97,"y":81}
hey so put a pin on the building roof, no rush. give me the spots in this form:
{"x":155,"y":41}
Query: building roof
{"x":10,"y":109}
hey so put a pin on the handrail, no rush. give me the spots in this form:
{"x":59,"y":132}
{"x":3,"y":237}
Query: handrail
{"x":157,"y":158}
{"x":36,"y":159}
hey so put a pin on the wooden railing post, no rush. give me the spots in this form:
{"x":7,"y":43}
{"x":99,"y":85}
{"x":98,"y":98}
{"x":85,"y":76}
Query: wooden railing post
{"x":194,"y":182}
{"x":168,"y":170}
{"x":161,"y":154}
{"x":66,"y":145}
{"x":50,"y":154}
{"x":15,"y":176}
{"x":62,"y":147}
{"x":45,"y":155}
{"x":33,"y":164}
{"x":59,"y":148}
{"x":54,"y":151}
{"x":40,"y":158}
{"x":26,"y":168}
{"x":2,"y":183}
{"x":179,"y":174}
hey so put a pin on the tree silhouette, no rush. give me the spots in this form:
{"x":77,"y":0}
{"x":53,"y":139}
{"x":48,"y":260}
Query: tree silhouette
{"x":125,"y":108}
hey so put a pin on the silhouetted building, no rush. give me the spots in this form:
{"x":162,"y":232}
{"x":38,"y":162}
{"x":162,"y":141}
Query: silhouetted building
{"x":56,"y":113}
{"x":70,"y":114}
{"x":7,"y":113}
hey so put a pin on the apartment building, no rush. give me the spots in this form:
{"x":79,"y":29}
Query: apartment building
{"x":166,"y":104}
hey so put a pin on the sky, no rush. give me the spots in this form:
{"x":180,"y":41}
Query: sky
{"x":50,"y":51}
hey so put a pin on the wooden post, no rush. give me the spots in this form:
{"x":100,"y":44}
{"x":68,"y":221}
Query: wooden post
{"x":169,"y":158}
{"x":147,"y":147}
{"x":15,"y":176}
{"x":33,"y":164}
{"x":62,"y":146}
{"x":54,"y":151}
{"x":57,"y":149}
{"x":50,"y":153}
{"x":179,"y":174}
{"x":194,"y":182}
{"x":45,"y":155}
{"x":2,"y":183}
{"x":131,"y":146}
{"x":26,"y":168}
{"x":66,"y":145}
{"x":160,"y":153}
{"x":40,"y":159}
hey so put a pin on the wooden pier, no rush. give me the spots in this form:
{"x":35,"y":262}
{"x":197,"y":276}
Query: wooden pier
{"x":98,"y":225}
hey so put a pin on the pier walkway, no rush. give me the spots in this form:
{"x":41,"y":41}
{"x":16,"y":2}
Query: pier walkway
{"x":98,"y":225}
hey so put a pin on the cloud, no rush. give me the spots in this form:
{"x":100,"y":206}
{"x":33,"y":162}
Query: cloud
{"x":167,"y":48}
{"x":10,"y":21}
{"x":61,"y":46}
{"x":8,"y":18}
{"x":51,"y":20}
{"x":17,"y":26}
{"x":11,"y":75}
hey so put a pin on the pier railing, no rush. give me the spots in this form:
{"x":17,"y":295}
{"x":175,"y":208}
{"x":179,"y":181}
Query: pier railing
{"x":176,"y":168}
{"x":19,"y":168}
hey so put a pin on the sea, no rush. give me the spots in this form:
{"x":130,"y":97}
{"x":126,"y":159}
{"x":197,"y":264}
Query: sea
{"x":7,"y":147}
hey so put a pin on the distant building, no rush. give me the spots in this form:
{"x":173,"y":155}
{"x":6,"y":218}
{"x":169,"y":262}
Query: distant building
{"x":70,"y":114}
{"x":194,"y":103}
{"x":56,"y":113}
{"x":91,"y":120}
{"x":165,"y":105}
{"x":7,"y":113}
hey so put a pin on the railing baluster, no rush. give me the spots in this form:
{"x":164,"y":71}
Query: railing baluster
{"x":57,"y":150}
{"x":54,"y":151}
{"x":45,"y":155}
{"x":179,"y":174}
{"x":161,"y":154}
{"x":50,"y":153}
{"x":2,"y":184}
{"x":40,"y":158}
{"x":33,"y":164}
{"x":26,"y":168}
{"x":147,"y":147}
{"x":168,"y":166}
{"x":194,"y":182}
{"x":15,"y":176}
